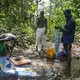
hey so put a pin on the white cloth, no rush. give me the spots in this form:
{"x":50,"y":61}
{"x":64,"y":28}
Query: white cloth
{"x":40,"y":36}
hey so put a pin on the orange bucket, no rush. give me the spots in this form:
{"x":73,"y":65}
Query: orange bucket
{"x":50,"y":53}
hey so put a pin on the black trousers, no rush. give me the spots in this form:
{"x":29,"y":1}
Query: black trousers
{"x":67,"y":47}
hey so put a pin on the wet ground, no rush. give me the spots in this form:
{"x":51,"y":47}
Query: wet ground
{"x":49,"y":69}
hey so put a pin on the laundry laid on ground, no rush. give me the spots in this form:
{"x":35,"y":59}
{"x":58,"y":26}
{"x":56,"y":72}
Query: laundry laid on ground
{"x":7,"y":68}
{"x":20,"y":60}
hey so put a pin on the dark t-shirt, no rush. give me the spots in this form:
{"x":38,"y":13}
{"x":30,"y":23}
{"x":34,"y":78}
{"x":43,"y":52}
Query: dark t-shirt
{"x":41,"y":22}
{"x":68,"y":35}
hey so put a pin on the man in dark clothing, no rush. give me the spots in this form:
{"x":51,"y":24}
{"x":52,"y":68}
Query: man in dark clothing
{"x":68,"y":37}
{"x":69,"y":31}
{"x":41,"y":30}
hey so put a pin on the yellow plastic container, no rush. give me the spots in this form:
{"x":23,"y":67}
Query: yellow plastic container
{"x":50,"y":53}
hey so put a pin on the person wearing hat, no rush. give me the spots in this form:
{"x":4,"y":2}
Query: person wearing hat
{"x":41,"y":30}
{"x":68,"y":36}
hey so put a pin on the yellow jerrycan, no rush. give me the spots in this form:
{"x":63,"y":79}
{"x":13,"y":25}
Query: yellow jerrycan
{"x":50,"y":53}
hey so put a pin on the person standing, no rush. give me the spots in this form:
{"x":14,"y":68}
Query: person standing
{"x":68,"y":37}
{"x":41,"y":31}
{"x":69,"y":31}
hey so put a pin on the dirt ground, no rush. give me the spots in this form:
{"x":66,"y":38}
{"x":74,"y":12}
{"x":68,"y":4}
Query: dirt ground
{"x":41,"y":66}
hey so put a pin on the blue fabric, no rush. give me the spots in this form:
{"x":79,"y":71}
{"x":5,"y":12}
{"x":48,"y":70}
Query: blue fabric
{"x":2,"y":61}
{"x":5,"y":62}
{"x":8,"y":73}
{"x":69,"y":32}
{"x":8,"y":64}
{"x":27,"y":74}
{"x":61,"y":54}
{"x":57,"y":38}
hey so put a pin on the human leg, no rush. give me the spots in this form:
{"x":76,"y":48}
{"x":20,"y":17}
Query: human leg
{"x":43,"y":42}
{"x":38,"y":35}
{"x":65,"y":45}
{"x":43,"y":39}
{"x":70,"y":47}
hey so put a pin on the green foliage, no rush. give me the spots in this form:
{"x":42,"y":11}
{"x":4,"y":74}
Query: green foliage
{"x":16,"y":16}
{"x":78,"y":25}
{"x":57,"y":17}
